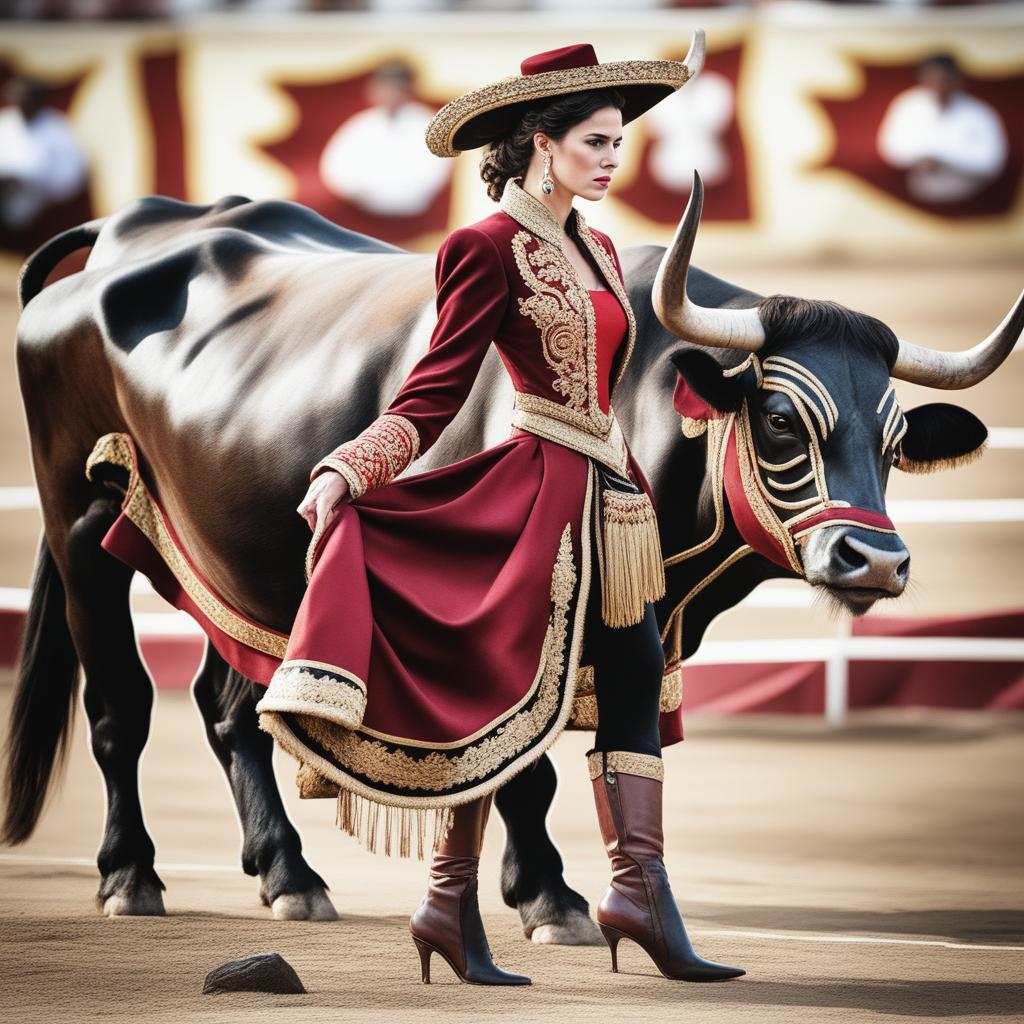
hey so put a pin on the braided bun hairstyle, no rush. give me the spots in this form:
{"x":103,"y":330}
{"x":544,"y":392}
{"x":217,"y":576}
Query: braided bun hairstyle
{"x":509,"y":156}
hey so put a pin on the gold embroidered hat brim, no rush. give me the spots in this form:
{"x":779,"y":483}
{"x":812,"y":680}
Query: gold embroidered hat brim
{"x":483,"y":115}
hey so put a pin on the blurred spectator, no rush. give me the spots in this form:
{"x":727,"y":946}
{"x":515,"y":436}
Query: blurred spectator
{"x":688,"y":129}
{"x":41,"y":163}
{"x":950,"y":143}
{"x":377,"y":159}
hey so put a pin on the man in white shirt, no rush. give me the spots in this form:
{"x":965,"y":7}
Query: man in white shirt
{"x":41,"y":163}
{"x":951,"y":144}
{"x":689,"y":128}
{"x":377,"y":159}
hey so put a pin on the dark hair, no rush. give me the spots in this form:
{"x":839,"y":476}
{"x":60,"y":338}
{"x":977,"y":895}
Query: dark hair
{"x":941,"y":62}
{"x":788,"y":318}
{"x":509,"y":156}
{"x":394,"y":71}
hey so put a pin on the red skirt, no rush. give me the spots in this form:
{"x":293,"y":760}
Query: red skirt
{"x":436,"y":651}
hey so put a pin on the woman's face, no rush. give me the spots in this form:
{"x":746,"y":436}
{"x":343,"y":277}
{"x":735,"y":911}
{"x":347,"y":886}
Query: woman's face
{"x":584,"y":160}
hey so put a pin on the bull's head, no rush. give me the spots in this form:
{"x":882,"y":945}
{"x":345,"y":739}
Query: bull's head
{"x":808,"y":425}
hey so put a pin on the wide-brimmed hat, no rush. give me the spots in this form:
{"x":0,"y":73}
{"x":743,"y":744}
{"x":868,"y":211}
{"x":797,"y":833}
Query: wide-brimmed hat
{"x":483,"y":115}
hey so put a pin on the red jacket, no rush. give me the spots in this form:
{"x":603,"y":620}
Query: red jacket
{"x":504,"y":279}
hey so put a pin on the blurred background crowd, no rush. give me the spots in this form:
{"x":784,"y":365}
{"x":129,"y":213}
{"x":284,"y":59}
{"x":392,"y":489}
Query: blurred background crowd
{"x":898,"y":136}
{"x":185,"y":8}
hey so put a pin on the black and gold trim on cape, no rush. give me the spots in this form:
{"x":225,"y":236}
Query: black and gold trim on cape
{"x":141,"y":509}
{"x":388,"y":787}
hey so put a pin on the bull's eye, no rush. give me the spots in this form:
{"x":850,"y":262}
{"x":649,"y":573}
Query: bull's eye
{"x":779,"y":423}
{"x":897,"y":454}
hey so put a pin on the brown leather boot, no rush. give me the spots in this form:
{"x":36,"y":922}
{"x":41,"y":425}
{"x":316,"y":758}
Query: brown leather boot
{"x":447,"y":921}
{"x":639,"y":904}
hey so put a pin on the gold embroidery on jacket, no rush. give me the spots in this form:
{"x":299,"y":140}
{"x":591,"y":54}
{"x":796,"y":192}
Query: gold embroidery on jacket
{"x":558,"y":293}
{"x":558,"y":307}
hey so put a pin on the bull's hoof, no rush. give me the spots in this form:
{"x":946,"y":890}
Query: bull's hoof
{"x":576,"y":929}
{"x":131,"y":892}
{"x":144,"y":902}
{"x":314,"y":905}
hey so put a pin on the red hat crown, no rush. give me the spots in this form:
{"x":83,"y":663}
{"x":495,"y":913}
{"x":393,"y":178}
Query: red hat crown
{"x":579,"y":55}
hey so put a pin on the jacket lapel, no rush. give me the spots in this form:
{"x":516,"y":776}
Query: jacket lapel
{"x":533,"y":215}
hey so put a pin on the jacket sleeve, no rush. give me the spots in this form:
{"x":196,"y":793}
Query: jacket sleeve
{"x":472,"y":296}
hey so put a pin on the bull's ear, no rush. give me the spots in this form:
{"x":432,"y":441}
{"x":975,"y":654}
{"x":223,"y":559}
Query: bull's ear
{"x":703,"y":375}
{"x":940,"y":436}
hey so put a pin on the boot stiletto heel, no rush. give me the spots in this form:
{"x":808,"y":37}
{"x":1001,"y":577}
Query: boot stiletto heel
{"x":611,"y":936}
{"x":424,"y":951}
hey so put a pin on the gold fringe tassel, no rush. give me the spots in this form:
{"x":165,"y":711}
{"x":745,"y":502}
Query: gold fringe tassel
{"x":361,"y":818}
{"x":634,"y":572}
{"x":694,"y":428}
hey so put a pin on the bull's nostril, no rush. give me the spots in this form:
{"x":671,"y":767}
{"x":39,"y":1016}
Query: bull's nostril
{"x":847,"y":558}
{"x":903,"y":570}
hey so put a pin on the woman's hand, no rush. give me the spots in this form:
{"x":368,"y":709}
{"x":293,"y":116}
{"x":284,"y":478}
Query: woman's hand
{"x":322,"y":499}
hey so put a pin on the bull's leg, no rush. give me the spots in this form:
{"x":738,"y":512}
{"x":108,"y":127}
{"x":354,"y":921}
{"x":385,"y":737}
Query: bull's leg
{"x":271,"y":846}
{"x":118,"y":702}
{"x":531,"y":868}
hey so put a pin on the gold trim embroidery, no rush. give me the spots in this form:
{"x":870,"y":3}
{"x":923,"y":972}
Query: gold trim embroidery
{"x":528,"y":415}
{"x":376,"y":456}
{"x":584,"y":707}
{"x":312,"y":785}
{"x":557,"y":307}
{"x":518,"y":88}
{"x":529,"y":211}
{"x":310,"y":687}
{"x":374,"y":760}
{"x":628,"y":763}
{"x":604,"y":260}
{"x":142,"y":510}
{"x":584,"y":680}
{"x":116,"y":450}
{"x":671,"y":688}
{"x":584,"y":712}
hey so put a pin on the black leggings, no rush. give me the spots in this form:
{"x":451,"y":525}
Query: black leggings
{"x":628,"y":666}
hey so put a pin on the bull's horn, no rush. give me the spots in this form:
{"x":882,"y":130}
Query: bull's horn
{"x":694,"y":59}
{"x":952,"y":370}
{"x":722,"y":328}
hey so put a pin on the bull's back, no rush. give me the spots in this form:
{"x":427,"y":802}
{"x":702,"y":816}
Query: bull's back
{"x":235,"y":359}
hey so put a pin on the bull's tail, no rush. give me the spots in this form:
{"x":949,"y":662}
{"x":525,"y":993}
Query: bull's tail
{"x":36,"y":269}
{"x":45,"y":694}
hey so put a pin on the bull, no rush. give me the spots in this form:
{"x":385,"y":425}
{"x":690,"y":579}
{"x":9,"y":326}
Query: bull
{"x":238,"y":342}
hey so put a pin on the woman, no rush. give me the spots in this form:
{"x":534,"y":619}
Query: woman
{"x":437,"y":648}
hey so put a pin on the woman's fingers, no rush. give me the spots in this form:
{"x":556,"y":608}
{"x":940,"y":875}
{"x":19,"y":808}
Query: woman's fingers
{"x":308,"y":506}
{"x":324,"y":511}
{"x":320,"y":504}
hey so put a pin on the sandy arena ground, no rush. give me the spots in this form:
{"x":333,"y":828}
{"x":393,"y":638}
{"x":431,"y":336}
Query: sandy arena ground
{"x":867,"y":875}
{"x":870,"y":874}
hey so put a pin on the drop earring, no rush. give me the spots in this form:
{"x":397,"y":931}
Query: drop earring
{"x":547,"y":186}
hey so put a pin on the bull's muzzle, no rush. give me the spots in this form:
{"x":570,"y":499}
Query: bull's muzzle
{"x":857,"y":566}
